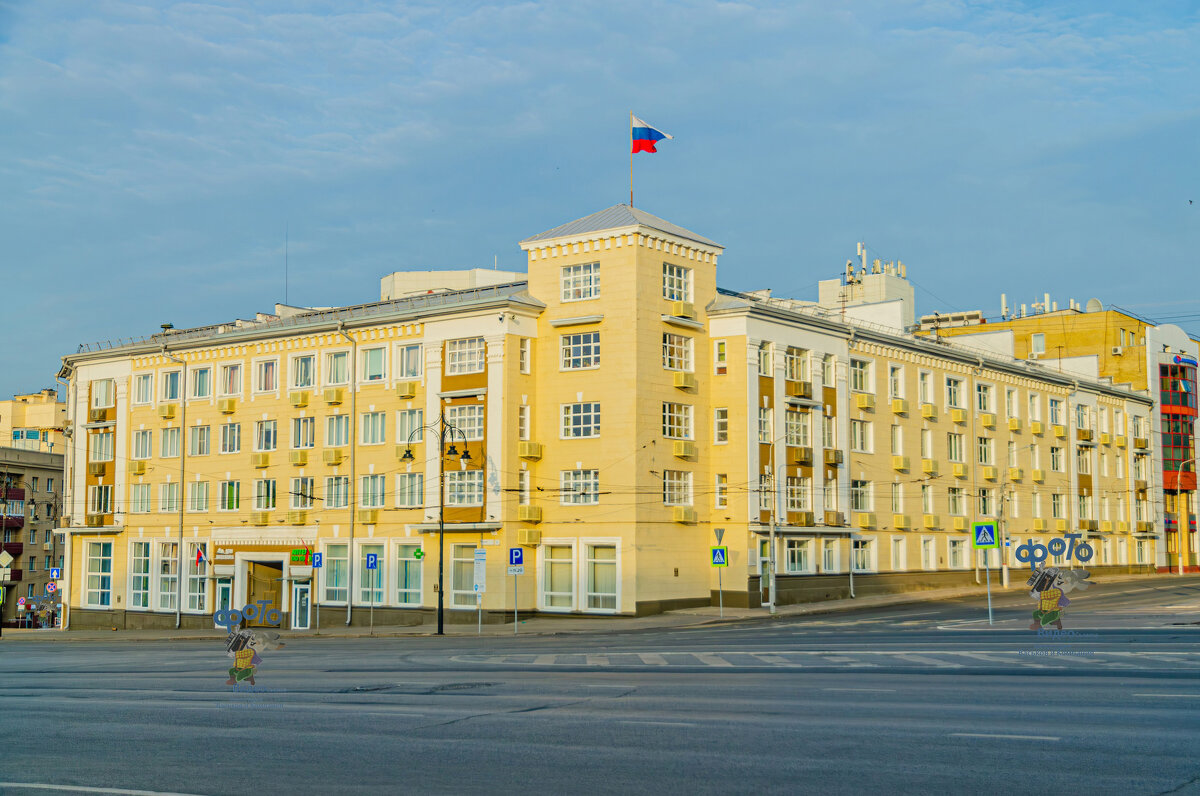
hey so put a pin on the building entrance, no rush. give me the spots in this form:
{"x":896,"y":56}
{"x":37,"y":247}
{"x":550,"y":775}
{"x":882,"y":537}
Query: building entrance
{"x":265,"y":583}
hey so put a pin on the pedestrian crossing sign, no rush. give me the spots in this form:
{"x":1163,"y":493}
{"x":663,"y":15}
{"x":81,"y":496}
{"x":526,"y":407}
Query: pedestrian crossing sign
{"x":720,"y":556}
{"x":985,"y":536}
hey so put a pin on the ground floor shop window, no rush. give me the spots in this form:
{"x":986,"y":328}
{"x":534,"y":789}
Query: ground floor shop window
{"x":462,"y":593}
{"x":335,"y":571}
{"x":408,"y":575}
{"x":370,"y":581}
{"x":602,"y":577}
{"x":99,"y":570}
{"x":558,"y":576}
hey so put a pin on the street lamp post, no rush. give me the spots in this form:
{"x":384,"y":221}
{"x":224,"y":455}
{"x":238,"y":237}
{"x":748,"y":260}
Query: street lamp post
{"x":1179,"y":515}
{"x":441,"y":427}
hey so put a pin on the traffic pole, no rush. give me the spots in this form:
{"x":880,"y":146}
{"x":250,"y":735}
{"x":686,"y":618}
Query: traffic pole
{"x":515,"y":605}
{"x":987,"y":564}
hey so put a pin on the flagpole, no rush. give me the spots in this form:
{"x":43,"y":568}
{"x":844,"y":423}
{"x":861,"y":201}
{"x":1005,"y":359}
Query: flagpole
{"x":631,"y":158}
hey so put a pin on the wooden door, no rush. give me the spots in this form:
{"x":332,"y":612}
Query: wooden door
{"x":265,"y":584}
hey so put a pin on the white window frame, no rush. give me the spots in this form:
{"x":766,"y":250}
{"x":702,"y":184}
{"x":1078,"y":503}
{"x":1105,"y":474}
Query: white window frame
{"x":580,"y":282}
{"x":466,"y":355}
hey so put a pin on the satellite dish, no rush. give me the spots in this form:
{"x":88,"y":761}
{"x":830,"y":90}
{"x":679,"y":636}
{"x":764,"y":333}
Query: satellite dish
{"x":1094,"y":305}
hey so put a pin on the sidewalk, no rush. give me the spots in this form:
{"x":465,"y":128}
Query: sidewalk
{"x":559,"y":625}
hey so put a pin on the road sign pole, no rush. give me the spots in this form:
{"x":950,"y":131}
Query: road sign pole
{"x":987,"y":563}
{"x":479,"y":613}
{"x":515,"y":605}
{"x":720,"y":594}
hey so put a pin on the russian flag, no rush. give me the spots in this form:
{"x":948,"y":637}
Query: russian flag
{"x":644,"y":136}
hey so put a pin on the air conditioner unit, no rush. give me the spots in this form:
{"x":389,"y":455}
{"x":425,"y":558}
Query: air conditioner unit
{"x":96,"y":469}
{"x":833,"y":456}
{"x":991,"y":473}
{"x":987,"y":420}
{"x":227,"y":406}
{"x":804,"y":519}
{"x":960,"y":471}
{"x":864,"y":401}
{"x":1060,"y":525}
{"x":928,"y":411}
{"x":299,"y":458}
{"x":958,"y":415}
{"x":1039,"y":524}
{"x":1014,"y":424}
{"x":137,"y":468}
{"x":800,"y":455}
{"x":931,"y":521}
{"x":1141,"y":442}
{"x":1106,"y":526}
{"x":529,"y":450}
{"x":96,"y":415}
{"x":260,"y":517}
{"x":865,"y":519}
{"x":1060,"y":431}
{"x":1119,"y":442}
{"x":528,"y":537}
{"x":368,"y":516}
{"x":47,"y":546}
{"x":1145,"y":527}
{"x":406,"y":389}
{"x":900,"y":463}
{"x":332,"y":457}
{"x":1036,"y":354}
{"x":1122,"y":526}
{"x":685,"y":381}
{"x":683,"y":309}
{"x":960,"y":523}
{"x":1037,"y":427}
{"x":684,"y":514}
{"x":1117,"y":351}
{"x":799,"y":389}
{"x":1140,"y":485}
{"x":899,"y":406}
{"x":1105,"y":438}
{"x":260,"y":460}
{"x":334,"y":395}
{"x":95,"y":521}
{"x":529,"y":514}
{"x":1015,"y":473}
{"x":166,"y":411}
{"x":684,"y":449}
{"x":1084,"y":434}
{"x":297,"y":517}
{"x":900,"y":522}
{"x":299,"y":398}
{"x":835,"y":518}
{"x":1038,"y":475}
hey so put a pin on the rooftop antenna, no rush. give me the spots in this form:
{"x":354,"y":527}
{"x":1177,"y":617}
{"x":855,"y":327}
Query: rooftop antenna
{"x":285,"y":263}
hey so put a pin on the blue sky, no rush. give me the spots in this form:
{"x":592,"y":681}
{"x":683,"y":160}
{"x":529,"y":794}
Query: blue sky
{"x":154,"y":153}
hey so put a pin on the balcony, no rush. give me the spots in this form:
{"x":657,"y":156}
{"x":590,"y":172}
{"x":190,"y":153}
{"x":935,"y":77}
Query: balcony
{"x":835,"y":519}
{"x":684,"y":514}
{"x":900,"y":463}
{"x":900,"y":522}
{"x":1037,"y":427}
{"x":167,"y":411}
{"x":334,"y":395}
{"x":529,"y":514}
{"x":13,"y":522}
{"x":684,"y":449}
{"x":929,"y":466}
{"x":864,"y":401}
{"x":929,"y":411}
{"x":684,"y":381}
{"x":260,"y":460}
{"x":899,"y":406}
{"x":332,"y":457}
{"x":931,"y":521}
{"x":368,"y":516}
{"x":987,"y":420}
{"x":864,"y":519}
{"x":227,"y":406}
{"x":991,"y":473}
{"x":15,"y":575}
{"x":960,"y":471}
{"x":298,"y":399}
{"x":1014,"y":424}
{"x":833,"y":456}
{"x":798,"y":389}
{"x":406,"y":389}
{"x":1015,"y":473}
{"x":800,"y":455}
{"x":298,"y":458}
{"x":529,"y":450}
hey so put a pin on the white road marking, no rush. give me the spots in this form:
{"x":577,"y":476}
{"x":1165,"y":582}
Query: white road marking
{"x":881,"y":690}
{"x":596,"y":660}
{"x":661,"y":723}
{"x":775,"y":659}
{"x":542,"y":660}
{"x":711,"y":659}
{"x":1014,"y":737}
{"x":86,"y":789}
{"x":921,"y":659}
{"x":652,"y":658}
{"x":1188,"y":696}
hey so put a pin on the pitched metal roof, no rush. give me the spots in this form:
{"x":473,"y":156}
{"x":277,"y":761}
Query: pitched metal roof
{"x":616,"y":217}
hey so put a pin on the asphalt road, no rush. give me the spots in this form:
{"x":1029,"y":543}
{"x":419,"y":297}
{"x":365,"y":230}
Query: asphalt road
{"x":915,"y":699}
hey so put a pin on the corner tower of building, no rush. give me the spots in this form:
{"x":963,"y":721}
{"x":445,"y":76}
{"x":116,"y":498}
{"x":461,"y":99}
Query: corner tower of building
{"x":625,"y":329}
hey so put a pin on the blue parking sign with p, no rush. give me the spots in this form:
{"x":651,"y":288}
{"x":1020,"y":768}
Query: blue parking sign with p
{"x":372,"y":561}
{"x":516,"y":556}
{"x":317,"y":559}
{"x":720,"y":556}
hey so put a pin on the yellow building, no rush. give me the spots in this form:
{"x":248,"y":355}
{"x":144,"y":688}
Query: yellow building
{"x":1128,"y":349}
{"x":608,"y":416}
{"x":33,"y":421}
